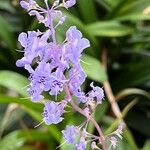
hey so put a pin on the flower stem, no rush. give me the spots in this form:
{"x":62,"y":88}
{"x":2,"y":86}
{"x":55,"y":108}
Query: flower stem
{"x":92,"y":120}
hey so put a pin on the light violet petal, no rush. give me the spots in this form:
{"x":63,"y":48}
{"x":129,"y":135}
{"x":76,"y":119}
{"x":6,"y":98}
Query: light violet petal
{"x":24,"y":5}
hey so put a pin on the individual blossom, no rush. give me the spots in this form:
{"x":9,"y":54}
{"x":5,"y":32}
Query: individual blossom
{"x":70,"y":134}
{"x":119,"y":131}
{"x":29,"y":42}
{"x":75,"y":44}
{"x":35,"y":93}
{"x":96,"y":93}
{"x":69,"y":3}
{"x":94,"y":146}
{"x":113,"y":141}
{"x":31,"y":4}
{"x":76,"y":78}
{"x":40,"y":80}
{"x":53,"y":112}
{"x":57,"y":82}
{"x":81,"y":145}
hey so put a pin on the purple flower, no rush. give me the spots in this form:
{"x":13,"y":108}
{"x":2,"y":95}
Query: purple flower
{"x":81,"y":145}
{"x":75,"y":45}
{"x":39,"y":81}
{"x":30,"y":43}
{"x":96,"y":92}
{"x":53,"y":111}
{"x":119,"y":131}
{"x":94,"y":146}
{"x":69,"y":3}
{"x":35,"y":93}
{"x":113,"y":141}
{"x":57,"y":82}
{"x":41,"y":76}
{"x":28,"y":5}
{"x":70,"y":134}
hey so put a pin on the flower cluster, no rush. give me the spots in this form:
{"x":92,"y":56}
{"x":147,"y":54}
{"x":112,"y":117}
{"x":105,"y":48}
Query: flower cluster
{"x":55,"y":67}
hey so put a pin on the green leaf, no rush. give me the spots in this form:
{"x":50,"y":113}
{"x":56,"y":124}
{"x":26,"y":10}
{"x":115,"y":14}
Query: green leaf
{"x":18,"y":140}
{"x":12,"y":141}
{"x":112,"y":3}
{"x":118,"y":120}
{"x":4,"y":99}
{"x":132,"y":10}
{"x":146,"y":145}
{"x":88,"y":16}
{"x":33,"y":110}
{"x":130,"y":139}
{"x":93,"y":68}
{"x":104,"y":4}
{"x":14,"y":81}
{"x":123,"y":145}
{"x":6,"y":5}
{"x":131,"y":91}
{"x":6,"y":35}
{"x":108,"y":29}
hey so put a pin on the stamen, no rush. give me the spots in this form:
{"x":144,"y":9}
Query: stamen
{"x":60,"y":145}
{"x":39,"y":124}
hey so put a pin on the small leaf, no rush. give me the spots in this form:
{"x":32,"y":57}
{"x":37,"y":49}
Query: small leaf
{"x":93,"y":68}
{"x":108,"y":29}
{"x":4,"y":99}
{"x":6,"y":35}
{"x":12,"y":141}
{"x":131,"y":91}
{"x":14,"y":81}
{"x":88,"y":16}
{"x":133,"y":10}
{"x":146,"y":145}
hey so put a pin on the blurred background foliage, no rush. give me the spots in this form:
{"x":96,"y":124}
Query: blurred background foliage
{"x":119,"y":32}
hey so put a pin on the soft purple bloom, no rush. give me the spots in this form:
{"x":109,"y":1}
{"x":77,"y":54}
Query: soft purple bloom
{"x":28,"y":5}
{"x":41,"y":76}
{"x":113,"y":141}
{"x":69,"y":3}
{"x":24,"y":5}
{"x":75,"y":45}
{"x":35,"y":93}
{"x":38,"y":15}
{"x":97,"y":93}
{"x":94,"y":146}
{"x":53,"y":112}
{"x":30,"y":44}
{"x":81,"y":145}
{"x":119,"y":131}
{"x":56,"y":2}
{"x":70,"y":134}
{"x":59,"y":15}
{"x":57,"y":82}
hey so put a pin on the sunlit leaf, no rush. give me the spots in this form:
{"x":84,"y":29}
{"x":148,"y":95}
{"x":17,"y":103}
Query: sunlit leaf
{"x":14,"y":81}
{"x":94,"y":68}
{"x":108,"y":29}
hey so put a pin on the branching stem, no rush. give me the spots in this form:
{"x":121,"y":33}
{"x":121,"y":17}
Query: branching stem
{"x":90,"y":118}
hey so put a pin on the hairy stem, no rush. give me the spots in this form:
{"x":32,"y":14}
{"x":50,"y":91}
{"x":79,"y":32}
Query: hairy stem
{"x":90,"y":118}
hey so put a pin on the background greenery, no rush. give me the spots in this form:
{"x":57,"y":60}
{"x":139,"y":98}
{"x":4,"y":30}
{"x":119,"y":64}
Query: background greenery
{"x":119,"y":30}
